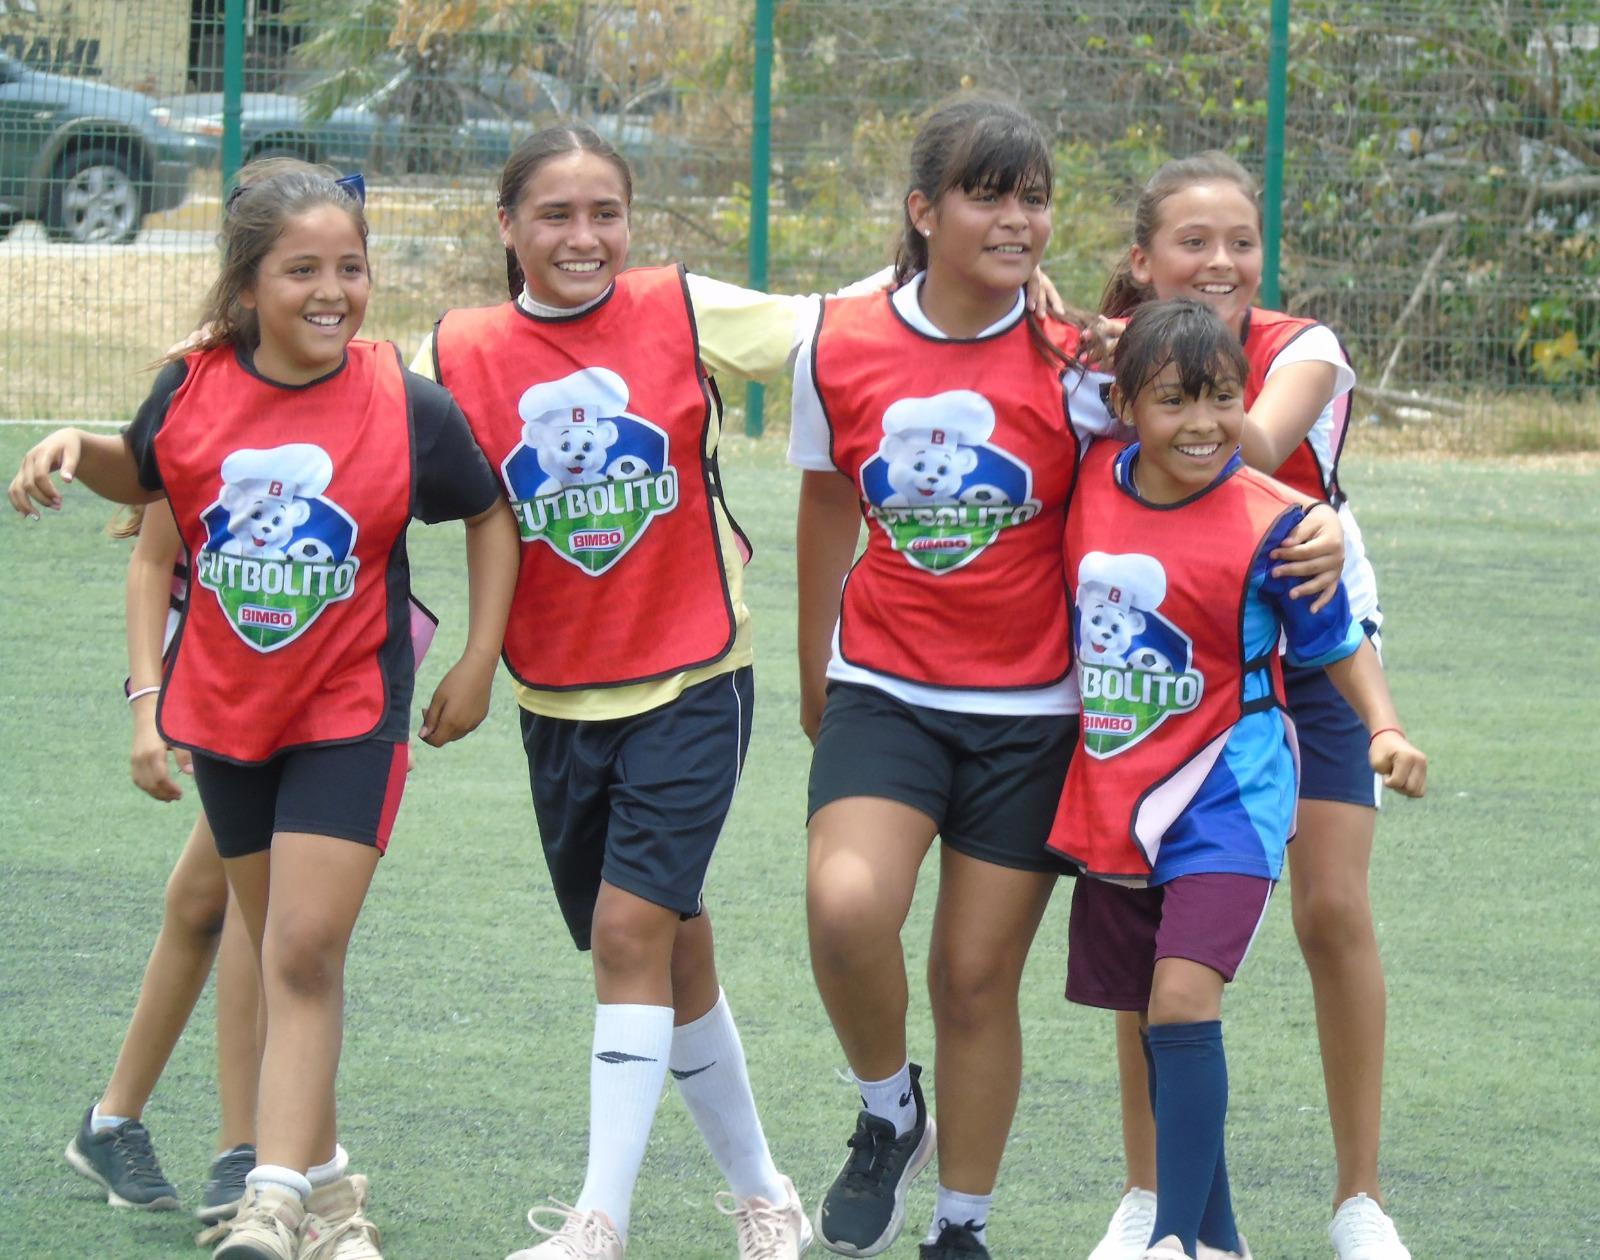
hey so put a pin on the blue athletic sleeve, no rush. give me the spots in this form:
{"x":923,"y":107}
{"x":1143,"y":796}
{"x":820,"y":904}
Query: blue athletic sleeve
{"x":1312,"y":638}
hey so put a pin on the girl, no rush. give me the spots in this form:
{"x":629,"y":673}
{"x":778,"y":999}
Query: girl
{"x":630,"y":647}
{"x":937,"y":692}
{"x":1186,"y":786}
{"x":293,"y":457}
{"x":112,"y":1147}
{"x":1197,"y":233}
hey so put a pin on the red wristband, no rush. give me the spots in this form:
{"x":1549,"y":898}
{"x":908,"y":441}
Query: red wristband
{"x":1382,"y":730}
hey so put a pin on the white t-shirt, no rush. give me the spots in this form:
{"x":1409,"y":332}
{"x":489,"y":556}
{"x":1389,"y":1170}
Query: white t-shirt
{"x":809,"y":449}
{"x":1320,"y":345}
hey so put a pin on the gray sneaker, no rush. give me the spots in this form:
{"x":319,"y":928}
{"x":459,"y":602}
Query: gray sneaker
{"x":123,"y":1162}
{"x":865,"y":1207}
{"x":225,"y":1184}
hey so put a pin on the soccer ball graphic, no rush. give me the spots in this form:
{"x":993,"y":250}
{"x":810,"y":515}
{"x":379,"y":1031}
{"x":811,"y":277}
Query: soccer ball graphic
{"x":626,"y":468}
{"x":310,"y":551}
{"x":983,"y":495}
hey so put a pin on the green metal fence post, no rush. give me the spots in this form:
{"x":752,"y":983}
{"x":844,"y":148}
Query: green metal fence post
{"x":760,"y":173}
{"x":232,"y":89}
{"x":1272,"y":194}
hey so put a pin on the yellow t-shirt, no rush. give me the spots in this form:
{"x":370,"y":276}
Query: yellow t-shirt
{"x":742,"y":333}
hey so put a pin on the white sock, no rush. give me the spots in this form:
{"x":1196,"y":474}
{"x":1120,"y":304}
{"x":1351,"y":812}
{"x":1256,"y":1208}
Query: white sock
{"x":955,"y":1208}
{"x":626,"y":1072}
{"x":891,"y":1099}
{"x":708,"y":1063}
{"x":99,"y":1123}
{"x":283,"y":1178}
{"x":320,"y":1175}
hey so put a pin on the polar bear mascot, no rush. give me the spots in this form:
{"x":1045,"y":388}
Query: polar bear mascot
{"x":926,"y":445}
{"x":265,"y":494}
{"x":568,"y":425}
{"x":1114,"y":593}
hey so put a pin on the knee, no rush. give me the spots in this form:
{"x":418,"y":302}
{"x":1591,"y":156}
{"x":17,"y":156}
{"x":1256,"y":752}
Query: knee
{"x":971,"y":992}
{"x":626,"y":949}
{"x":1331,"y":918}
{"x":845,"y":923}
{"x":303,"y":959}
{"x":196,"y":907}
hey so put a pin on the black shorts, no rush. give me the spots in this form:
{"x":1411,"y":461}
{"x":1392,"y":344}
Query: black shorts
{"x":990,"y":782}
{"x":350,"y":791}
{"x":640,"y":801}
{"x":1333,"y":740}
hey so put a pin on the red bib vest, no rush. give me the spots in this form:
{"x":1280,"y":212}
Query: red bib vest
{"x":1158,"y":610}
{"x":1266,"y":333}
{"x":597,"y":425}
{"x":964,"y":457}
{"x":290,"y":502}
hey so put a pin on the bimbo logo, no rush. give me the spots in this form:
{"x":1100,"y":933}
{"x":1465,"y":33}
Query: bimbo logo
{"x":277,"y":551}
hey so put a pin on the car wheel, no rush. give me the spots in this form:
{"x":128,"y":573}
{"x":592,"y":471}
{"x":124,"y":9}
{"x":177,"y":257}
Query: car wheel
{"x":94,"y":198}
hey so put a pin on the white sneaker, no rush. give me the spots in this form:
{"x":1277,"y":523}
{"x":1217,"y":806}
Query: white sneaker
{"x":580,"y":1236}
{"x":768,"y":1231}
{"x":1203,"y":1252}
{"x":1129,"y":1232}
{"x":1361,"y":1230}
{"x":266,"y":1226}
{"x":336,"y":1227}
{"x":1169,"y":1248}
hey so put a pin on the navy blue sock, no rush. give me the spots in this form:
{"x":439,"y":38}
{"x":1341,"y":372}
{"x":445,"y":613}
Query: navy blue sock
{"x":1191,"y":1105}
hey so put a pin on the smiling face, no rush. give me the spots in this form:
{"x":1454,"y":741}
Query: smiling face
{"x":1184,"y":442}
{"x":569,"y":228}
{"x":1207,"y":246}
{"x":985,"y":241}
{"x":309,"y":295}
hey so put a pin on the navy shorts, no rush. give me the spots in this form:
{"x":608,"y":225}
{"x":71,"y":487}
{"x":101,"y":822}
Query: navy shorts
{"x":1333,"y":741}
{"x":991,"y":782}
{"x":640,"y":801}
{"x":349,"y":791}
{"x":1116,"y":933}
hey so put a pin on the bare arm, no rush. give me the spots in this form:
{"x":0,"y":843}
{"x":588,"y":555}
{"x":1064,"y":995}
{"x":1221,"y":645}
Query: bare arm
{"x":1359,"y":678}
{"x":103,"y":462}
{"x":148,"y":599}
{"x":1284,"y":411}
{"x":461,"y":700}
{"x":828,"y":529}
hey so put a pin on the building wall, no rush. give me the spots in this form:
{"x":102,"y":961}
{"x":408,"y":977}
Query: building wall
{"x":139,"y":44}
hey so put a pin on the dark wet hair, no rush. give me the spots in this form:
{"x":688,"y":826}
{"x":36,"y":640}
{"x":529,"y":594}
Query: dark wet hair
{"x":268,"y":194}
{"x":534,"y":152}
{"x":1182,"y":332}
{"x":1123,"y":293}
{"x":976,"y":142}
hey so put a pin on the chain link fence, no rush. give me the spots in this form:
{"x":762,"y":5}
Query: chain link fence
{"x":1441,"y":182}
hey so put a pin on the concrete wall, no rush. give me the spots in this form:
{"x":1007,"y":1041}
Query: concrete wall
{"x":139,"y":44}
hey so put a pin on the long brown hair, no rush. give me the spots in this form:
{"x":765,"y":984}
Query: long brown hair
{"x":534,"y":152}
{"x":267,"y":195}
{"x":972,"y":142}
{"x":1123,"y":293}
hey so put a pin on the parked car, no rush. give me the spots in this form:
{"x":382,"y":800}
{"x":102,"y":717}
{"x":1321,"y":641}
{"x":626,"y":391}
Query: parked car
{"x":375,"y":134}
{"x":87,"y":160}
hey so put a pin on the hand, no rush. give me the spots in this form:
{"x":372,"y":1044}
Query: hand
{"x":61,"y":450}
{"x":1313,"y":550}
{"x":1402,"y":764}
{"x":1043,"y":298}
{"x":811,"y":705}
{"x":148,"y":762}
{"x":459,"y":704}
{"x":1103,"y":336}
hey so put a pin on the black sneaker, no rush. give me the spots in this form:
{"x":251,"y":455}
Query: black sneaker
{"x":865,"y":1207}
{"x":225,"y":1184}
{"x":122,"y":1160}
{"x":955,"y":1241}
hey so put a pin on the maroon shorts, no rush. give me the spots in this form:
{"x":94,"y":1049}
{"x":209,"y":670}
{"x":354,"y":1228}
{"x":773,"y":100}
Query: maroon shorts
{"x":1116,"y":933}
